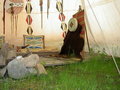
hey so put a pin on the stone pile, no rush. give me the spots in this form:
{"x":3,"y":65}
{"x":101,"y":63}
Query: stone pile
{"x":18,"y":67}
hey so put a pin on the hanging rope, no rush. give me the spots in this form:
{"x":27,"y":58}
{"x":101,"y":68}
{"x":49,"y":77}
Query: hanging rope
{"x":104,"y":37}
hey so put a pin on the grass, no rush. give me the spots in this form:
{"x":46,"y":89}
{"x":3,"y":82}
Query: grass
{"x":97,"y":73}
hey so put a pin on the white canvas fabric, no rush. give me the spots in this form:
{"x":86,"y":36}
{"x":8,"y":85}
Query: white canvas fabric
{"x":103,"y":25}
{"x":102,"y":20}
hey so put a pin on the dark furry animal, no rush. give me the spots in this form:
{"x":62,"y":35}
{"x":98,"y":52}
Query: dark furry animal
{"x":73,"y":43}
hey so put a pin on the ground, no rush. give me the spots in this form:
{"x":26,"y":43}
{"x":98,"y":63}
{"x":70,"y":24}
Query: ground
{"x":97,"y":72}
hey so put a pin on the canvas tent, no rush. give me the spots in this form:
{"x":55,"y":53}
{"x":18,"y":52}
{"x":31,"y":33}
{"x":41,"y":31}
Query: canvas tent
{"x":101,"y":16}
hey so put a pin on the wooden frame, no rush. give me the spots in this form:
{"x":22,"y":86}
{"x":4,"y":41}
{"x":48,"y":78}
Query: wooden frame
{"x":34,"y":41}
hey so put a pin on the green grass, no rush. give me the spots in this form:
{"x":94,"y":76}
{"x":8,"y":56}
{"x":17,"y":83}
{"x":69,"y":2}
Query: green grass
{"x":97,"y":73}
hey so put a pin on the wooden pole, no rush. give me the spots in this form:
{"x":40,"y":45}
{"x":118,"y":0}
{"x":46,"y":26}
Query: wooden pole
{"x":87,"y":39}
{"x":4,"y":16}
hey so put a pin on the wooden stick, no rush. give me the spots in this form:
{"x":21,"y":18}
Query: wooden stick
{"x":48,"y":6}
{"x":41,"y":16}
{"x":41,"y":10}
{"x":4,"y":16}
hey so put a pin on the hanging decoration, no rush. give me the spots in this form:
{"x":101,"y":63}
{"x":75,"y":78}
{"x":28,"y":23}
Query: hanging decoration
{"x":41,"y":10}
{"x":28,"y":7}
{"x":29,"y":30}
{"x":14,"y":7}
{"x":61,"y":17}
{"x":4,"y":16}
{"x":59,"y":7}
{"x":72,"y":24}
{"x":48,"y":6}
{"x":29,"y":20}
{"x":64,"y":26}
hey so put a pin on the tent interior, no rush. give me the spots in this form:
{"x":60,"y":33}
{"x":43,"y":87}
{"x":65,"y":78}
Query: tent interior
{"x":101,"y":19}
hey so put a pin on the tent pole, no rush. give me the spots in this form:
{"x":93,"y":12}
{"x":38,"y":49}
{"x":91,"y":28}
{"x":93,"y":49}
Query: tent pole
{"x":4,"y":16}
{"x":87,"y":39}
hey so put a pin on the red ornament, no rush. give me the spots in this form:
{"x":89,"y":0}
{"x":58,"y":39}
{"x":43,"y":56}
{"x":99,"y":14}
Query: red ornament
{"x":29,"y":20}
{"x":62,"y":17}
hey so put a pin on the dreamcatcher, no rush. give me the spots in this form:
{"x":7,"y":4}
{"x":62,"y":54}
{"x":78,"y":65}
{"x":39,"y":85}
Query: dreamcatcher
{"x":14,"y":7}
{"x":29,"y":18}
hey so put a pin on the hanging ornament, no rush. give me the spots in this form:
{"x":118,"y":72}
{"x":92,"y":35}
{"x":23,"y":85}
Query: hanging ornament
{"x":29,"y":20}
{"x":28,"y":7}
{"x":48,"y":6}
{"x":64,"y":34}
{"x":59,"y":6}
{"x":64,"y":26}
{"x":41,"y":10}
{"x":14,"y":7}
{"x":29,"y":30}
{"x":62,"y":17}
{"x":4,"y":16}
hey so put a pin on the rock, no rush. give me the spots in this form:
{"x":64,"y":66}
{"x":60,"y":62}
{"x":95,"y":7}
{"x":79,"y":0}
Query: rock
{"x":16,"y":69}
{"x":8,"y":52}
{"x":5,"y":49}
{"x":3,"y":71}
{"x":40,"y":68}
{"x":2,"y":61}
{"x":32,"y":70}
{"x":11,"y":54}
{"x":31,"y":60}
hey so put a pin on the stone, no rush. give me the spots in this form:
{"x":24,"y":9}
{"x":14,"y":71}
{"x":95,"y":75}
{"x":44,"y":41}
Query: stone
{"x":32,"y":70}
{"x":11,"y":54}
{"x":5,"y":49}
{"x":2,"y":61}
{"x":16,"y":69}
{"x":8,"y":52}
{"x":3,"y":71}
{"x":40,"y":68}
{"x":31,"y":60}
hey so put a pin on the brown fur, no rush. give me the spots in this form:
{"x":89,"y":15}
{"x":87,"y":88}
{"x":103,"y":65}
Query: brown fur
{"x":73,"y":43}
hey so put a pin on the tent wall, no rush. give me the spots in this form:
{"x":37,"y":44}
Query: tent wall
{"x":103,"y":24}
{"x":51,"y":26}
